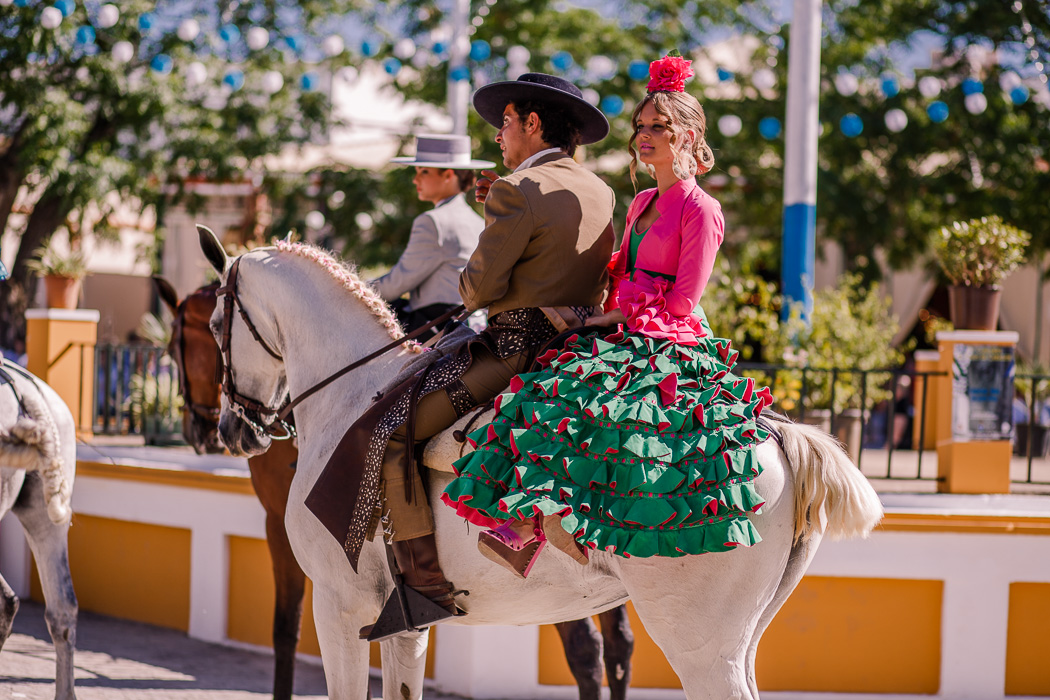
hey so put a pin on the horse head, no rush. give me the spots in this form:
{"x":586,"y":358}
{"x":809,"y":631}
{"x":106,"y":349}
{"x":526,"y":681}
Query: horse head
{"x":253,"y":385}
{"x":196,"y":356}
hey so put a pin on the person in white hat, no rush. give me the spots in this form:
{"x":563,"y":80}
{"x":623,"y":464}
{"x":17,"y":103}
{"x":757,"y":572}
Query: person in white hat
{"x":442,"y":239}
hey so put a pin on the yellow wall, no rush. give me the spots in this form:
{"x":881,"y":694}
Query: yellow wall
{"x":129,"y":570}
{"x":251,"y":600}
{"x":834,"y":634}
{"x":1027,"y":670}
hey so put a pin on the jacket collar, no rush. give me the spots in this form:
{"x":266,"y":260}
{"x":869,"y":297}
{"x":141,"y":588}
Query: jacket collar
{"x":676,"y":194}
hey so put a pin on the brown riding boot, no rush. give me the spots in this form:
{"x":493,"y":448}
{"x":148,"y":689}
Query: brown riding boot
{"x":417,"y":559}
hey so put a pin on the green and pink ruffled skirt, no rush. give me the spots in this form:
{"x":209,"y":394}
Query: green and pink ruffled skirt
{"x":643,"y":445}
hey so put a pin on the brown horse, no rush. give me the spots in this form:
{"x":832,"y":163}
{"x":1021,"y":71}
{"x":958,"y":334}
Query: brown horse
{"x":197,"y":356}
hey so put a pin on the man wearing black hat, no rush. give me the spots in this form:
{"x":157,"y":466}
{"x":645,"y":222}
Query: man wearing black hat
{"x":540,"y":268}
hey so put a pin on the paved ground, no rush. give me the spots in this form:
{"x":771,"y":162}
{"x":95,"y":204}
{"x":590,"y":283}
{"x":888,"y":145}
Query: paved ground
{"x":120,"y":660}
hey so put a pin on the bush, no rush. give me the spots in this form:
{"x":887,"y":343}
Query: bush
{"x":980,"y":252}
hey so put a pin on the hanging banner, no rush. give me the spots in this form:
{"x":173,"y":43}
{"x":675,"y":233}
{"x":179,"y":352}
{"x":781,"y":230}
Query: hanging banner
{"x":982,"y":392}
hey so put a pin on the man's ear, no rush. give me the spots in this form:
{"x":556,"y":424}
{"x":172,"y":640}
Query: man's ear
{"x":532,"y":123}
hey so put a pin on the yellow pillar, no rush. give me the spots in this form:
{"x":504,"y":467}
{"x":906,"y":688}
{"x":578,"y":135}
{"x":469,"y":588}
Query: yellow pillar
{"x":927,"y":361}
{"x":973,"y":408}
{"x":60,"y":346}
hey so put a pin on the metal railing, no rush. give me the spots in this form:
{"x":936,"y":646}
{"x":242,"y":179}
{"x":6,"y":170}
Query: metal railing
{"x":137,"y":393}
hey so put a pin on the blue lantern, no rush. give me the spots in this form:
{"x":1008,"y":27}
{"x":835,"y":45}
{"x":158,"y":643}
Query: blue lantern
{"x":439,"y":48}
{"x":85,"y":35}
{"x":459,"y":74}
{"x":391,"y":65}
{"x":890,"y":87}
{"x":162,"y":63}
{"x":972,"y":86}
{"x":561,"y":60}
{"x":851,"y":125}
{"x":234,"y":79}
{"x":145,"y":22}
{"x":480,"y":50}
{"x":309,"y":81}
{"x":725,"y":75}
{"x":612,"y":105}
{"x":21,"y":3}
{"x":937,"y":111}
{"x":638,"y":70}
{"x":293,"y":43}
{"x":1019,"y":95}
{"x":66,"y":7}
{"x":769,"y":128}
{"x":368,"y":49}
{"x":229,"y":33}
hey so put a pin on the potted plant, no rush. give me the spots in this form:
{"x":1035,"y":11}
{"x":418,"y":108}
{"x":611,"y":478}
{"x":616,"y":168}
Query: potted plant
{"x":849,"y":334}
{"x":975,"y":257}
{"x":62,"y":273}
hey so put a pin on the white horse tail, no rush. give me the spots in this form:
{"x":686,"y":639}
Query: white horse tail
{"x":33,"y":443}
{"x":829,"y":488}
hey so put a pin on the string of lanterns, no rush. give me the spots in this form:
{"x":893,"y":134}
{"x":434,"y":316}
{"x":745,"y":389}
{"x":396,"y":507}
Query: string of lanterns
{"x":596,"y":68}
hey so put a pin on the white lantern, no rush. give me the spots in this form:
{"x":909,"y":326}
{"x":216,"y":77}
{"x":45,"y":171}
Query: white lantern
{"x":50,"y":17}
{"x":601,"y":67}
{"x":764,"y":79}
{"x":518,"y":55}
{"x":729,"y":125}
{"x":189,"y":29}
{"x":1009,"y":80}
{"x":929,"y":87}
{"x":314,"y":220}
{"x":108,"y":16}
{"x":257,"y":38}
{"x":896,"y":120}
{"x":975,"y":103}
{"x":404,"y":49}
{"x":272,"y":82}
{"x":123,"y":51}
{"x":846,"y":84}
{"x":333,"y":45}
{"x":347,"y":74}
{"x":592,"y":96}
{"x":196,"y":74}
{"x":363,"y":220}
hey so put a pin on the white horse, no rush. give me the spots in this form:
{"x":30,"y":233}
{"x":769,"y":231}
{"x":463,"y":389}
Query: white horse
{"x":706,"y":613}
{"x":37,"y":463}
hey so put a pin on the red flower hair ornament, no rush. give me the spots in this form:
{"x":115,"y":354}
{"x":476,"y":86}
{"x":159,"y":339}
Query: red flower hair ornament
{"x":669,"y":73}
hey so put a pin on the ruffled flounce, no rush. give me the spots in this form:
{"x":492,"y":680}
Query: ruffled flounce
{"x":644,"y":446}
{"x":643,"y":303}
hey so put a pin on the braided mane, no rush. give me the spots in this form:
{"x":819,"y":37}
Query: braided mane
{"x":347,"y":277}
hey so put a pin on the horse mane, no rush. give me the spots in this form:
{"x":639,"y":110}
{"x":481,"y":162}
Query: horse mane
{"x":347,"y":276}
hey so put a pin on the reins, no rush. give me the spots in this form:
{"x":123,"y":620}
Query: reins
{"x":280,"y":429}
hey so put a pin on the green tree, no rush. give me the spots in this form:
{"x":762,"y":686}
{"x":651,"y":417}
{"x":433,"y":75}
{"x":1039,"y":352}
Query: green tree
{"x":103,"y":104}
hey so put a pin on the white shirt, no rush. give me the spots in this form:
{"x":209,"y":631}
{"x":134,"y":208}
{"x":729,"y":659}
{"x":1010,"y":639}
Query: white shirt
{"x":531,"y":160}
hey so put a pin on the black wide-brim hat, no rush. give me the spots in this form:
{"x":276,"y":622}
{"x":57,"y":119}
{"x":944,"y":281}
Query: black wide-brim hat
{"x":492,"y":99}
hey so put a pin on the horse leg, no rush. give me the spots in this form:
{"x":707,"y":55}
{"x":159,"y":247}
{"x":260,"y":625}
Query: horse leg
{"x":801,"y":555}
{"x":8,"y":610}
{"x":49,"y":545}
{"x":618,"y":645}
{"x":339,"y":615}
{"x":290,"y":585}
{"x":404,"y":664}
{"x":583,"y":651}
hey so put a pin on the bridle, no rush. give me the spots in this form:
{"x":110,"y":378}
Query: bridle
{"x":178,"y":351}
{"x":280,"y":428}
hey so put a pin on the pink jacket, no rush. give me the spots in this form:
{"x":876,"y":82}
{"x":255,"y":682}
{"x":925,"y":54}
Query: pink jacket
{"x":683,"y":242}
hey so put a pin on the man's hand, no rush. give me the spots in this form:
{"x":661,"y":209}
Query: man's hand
{"x":483,"y":184}
{"x":610,"y":319}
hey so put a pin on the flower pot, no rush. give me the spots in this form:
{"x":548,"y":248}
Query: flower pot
{"x":974,"y":308}
{"x":62,"y":292}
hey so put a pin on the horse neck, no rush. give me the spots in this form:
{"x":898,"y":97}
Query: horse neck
{"x":324,"y":328}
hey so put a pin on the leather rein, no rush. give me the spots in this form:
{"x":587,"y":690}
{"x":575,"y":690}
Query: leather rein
{"x":279,"y":428}
{"x":178,"y":348}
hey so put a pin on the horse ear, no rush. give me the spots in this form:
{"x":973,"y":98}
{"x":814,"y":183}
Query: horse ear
{"x":166,"y":293}
{"x":213,"y":249}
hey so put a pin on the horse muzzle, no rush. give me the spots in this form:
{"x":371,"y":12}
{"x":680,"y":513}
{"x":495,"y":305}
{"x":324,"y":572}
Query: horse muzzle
{"x":240,"y":438}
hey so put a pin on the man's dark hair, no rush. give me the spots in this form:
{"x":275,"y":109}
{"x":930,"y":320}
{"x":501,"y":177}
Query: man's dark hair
{"x":558,"y":126}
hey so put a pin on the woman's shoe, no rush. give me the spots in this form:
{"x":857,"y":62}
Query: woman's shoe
{"x":561,"y":539}
{"x":510,"y":550}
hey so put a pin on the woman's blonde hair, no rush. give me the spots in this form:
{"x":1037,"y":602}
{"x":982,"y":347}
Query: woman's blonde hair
{"x":682,"y":112}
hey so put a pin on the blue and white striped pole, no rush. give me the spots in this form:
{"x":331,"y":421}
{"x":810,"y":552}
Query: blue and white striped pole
{"x":800,"y":157}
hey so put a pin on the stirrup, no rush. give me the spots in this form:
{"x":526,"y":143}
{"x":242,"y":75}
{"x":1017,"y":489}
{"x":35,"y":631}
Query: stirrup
{"x":409,"y":610}
{"x":518,"y":561}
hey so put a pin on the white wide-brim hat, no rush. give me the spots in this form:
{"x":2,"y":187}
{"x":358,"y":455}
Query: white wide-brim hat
{"x":443,"y":151}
